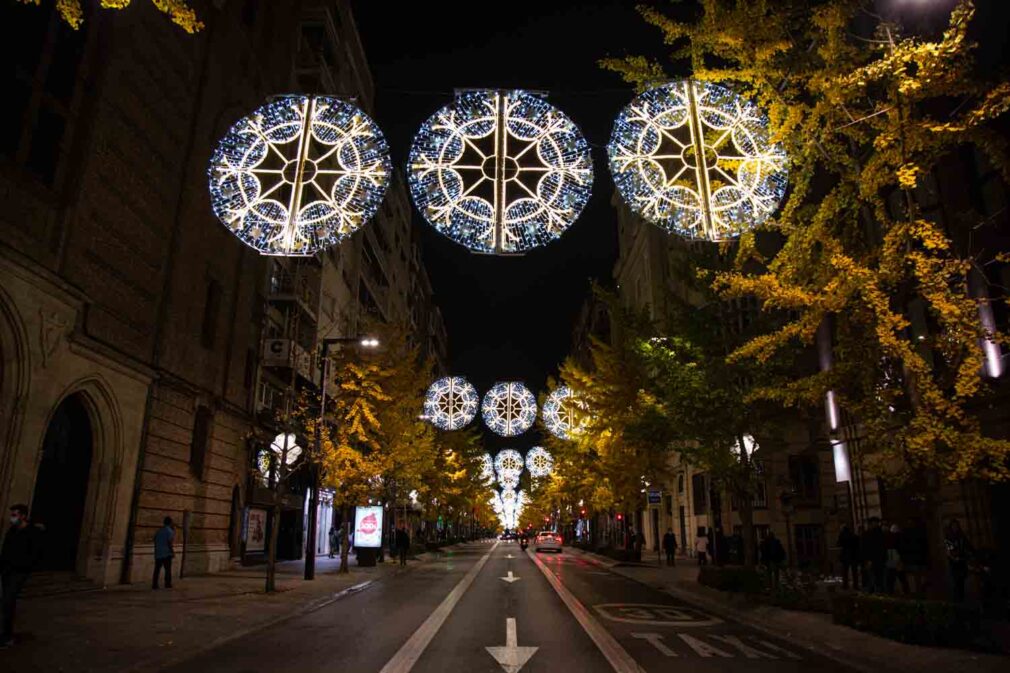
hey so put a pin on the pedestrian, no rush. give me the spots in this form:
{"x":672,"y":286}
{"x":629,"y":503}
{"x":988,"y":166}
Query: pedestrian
{"x":163,"y":553}
{"x":773,"y":554}
{"x":959,"y":550}
{"x":670,"y":546}
{"x":701,"y":547}
{"x":21,"y":550}
{"x":629,"y":540}
{"x":848,"y":556}
{"x":334,"y":540}
{"x":402,"y":543}
{"x":895,"y":563}
{"x":637,"y":541}
{"x":873,"y":551}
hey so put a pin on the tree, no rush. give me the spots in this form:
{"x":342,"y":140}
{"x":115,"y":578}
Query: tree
{"x":178,"y":11}
{"x":866,"y":115}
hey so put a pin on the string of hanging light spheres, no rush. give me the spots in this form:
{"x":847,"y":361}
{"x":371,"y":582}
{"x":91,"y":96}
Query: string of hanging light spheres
{"x":497,"y":171}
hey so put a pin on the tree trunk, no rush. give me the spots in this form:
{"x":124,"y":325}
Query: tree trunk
{"x":345,"y":540}
{"x":746,"y":512}
{"x":275,"y":524}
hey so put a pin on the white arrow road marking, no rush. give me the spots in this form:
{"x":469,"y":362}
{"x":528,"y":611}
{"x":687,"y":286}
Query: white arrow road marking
{"x":511,"y":657}
{"x":510,"y":579}
{"x":657,"y":642}
{"x":510,"y":556}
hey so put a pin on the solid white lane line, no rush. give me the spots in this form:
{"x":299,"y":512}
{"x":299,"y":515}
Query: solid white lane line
{"x":411,"y":651}
{"x":619,"y":659}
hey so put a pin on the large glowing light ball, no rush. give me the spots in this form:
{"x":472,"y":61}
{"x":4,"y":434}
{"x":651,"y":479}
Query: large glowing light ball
{"x":696,"y":159}
{"x":509,"y":409}
{"x":299,"y":174}
{"x":500,"y":172}
{"x":451,"y":403}
{"x":539,"y":462}
{"x":508,"y":479}
{"x":508,"y":461}
{"x":563,"y":414}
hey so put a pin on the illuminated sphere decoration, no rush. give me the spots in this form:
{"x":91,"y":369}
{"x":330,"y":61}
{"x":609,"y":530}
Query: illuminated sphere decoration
{"x":508,"y":461}
{"x":500,"y":172}
{"x":696,"y":159}
{"x":563,"y":413}
{"x":299,"y":174}
{"x":539,"y":462}
{"x":509,"y":409}
{"x":451,"y":403}
{"x":508,"y":479}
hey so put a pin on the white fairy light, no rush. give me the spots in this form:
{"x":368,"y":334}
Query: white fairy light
{"x":539,"y":462}
{"x":509,"y":409}
{"x":299,"y":174}
{"x":508,"y":479}
{"x":563,"y":413}
{"x":451,"y":403}
{"x":486,"y":467}
{"x":286,"y":448}
{"x":500,"y":172}
{"x":696,"y":159}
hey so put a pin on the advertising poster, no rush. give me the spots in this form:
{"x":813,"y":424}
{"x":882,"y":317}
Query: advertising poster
{"x":256,"y":538}
{"x":368,"y":527}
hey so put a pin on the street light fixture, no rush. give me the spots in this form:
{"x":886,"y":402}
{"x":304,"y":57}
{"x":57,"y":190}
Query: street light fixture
{"x":310,"y":543}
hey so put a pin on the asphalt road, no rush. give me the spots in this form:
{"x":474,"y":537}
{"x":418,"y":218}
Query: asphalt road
{"x":556,"y":612}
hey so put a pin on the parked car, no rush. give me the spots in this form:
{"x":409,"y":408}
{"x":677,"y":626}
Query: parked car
{"x":547,"y":540}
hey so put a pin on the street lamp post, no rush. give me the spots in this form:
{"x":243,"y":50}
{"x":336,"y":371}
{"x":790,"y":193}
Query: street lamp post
{"x":310,"y":543}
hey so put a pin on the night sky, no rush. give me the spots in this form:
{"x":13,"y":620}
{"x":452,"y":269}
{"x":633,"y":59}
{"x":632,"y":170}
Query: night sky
{"x":507,"y":317}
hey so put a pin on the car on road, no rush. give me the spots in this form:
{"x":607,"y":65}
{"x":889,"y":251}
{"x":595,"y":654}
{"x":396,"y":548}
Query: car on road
{"x":508,"y":536}
{"x":547,"y":540}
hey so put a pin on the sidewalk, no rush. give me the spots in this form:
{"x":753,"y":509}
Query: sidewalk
{"x":129,"y":628}
{"x":811,"y":630}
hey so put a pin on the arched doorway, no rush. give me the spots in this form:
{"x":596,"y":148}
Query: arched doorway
{"x":62,"y":483}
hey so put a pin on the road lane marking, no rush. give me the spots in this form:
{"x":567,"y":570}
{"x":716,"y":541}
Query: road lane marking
{"x":657,"y":642}
{"x":649,"y":614}
{"x":510,"y":556}
{"x":745,"y":650}
{"x":510,"y":579}
{"x":411,"y":651}
{"x":775,"y":648}
{"x":511,"y":657}
{"x":701,"y":648}
{"x":619,"y":659}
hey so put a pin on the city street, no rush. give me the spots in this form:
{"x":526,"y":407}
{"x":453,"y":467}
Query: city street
{"x":490,"y":607}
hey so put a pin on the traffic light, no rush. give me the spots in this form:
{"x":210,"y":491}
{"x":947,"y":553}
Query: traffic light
{"x":620,"y":517}
{"x":583,"y":512}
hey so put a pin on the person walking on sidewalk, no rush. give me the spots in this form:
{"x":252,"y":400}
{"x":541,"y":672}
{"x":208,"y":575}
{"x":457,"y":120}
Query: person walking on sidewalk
{"x":848,"y":556}
{"x":402,"y":543}
{"x":163,"y":553}
{"x":773,"y":554}
{"x":670,"y":546}
{"x":873,"y":550}
{"x":19,"y":554}
{"x":334,"y":540}
{"x":701,"y":547}
{"x":959,"y":550}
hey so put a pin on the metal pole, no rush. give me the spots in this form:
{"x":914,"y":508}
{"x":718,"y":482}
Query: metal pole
{"x":310,"y":547}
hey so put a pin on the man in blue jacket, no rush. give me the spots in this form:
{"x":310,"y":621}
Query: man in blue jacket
{"x":163,"y":553}
{"x":21,"y":549}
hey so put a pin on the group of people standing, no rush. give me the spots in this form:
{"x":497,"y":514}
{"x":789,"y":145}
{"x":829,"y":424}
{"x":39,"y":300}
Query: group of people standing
{"x":879,"y":558}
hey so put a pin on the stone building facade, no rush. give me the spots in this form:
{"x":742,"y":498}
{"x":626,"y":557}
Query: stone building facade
{"x":131,"y":321}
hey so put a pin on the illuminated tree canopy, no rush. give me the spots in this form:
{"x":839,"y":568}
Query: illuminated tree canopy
{"x":695,"y":158}
{"x":500,"y":172}
{"x":451,"y":403}
{"x":509,"y":409}
{"x":299,"y":174}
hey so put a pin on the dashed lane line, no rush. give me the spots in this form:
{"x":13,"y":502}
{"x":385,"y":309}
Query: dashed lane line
{"x":411,"y":651}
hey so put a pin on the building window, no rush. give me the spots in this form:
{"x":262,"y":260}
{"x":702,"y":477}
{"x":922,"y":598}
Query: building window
{"x":201,"y":442}
{"x":804,"y":474}
{"x":47,"y":56}
{"x":809,"y":544}
{"x":699,"y":494}
{"x":211,"y":308}
{"x":680,"y":484}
